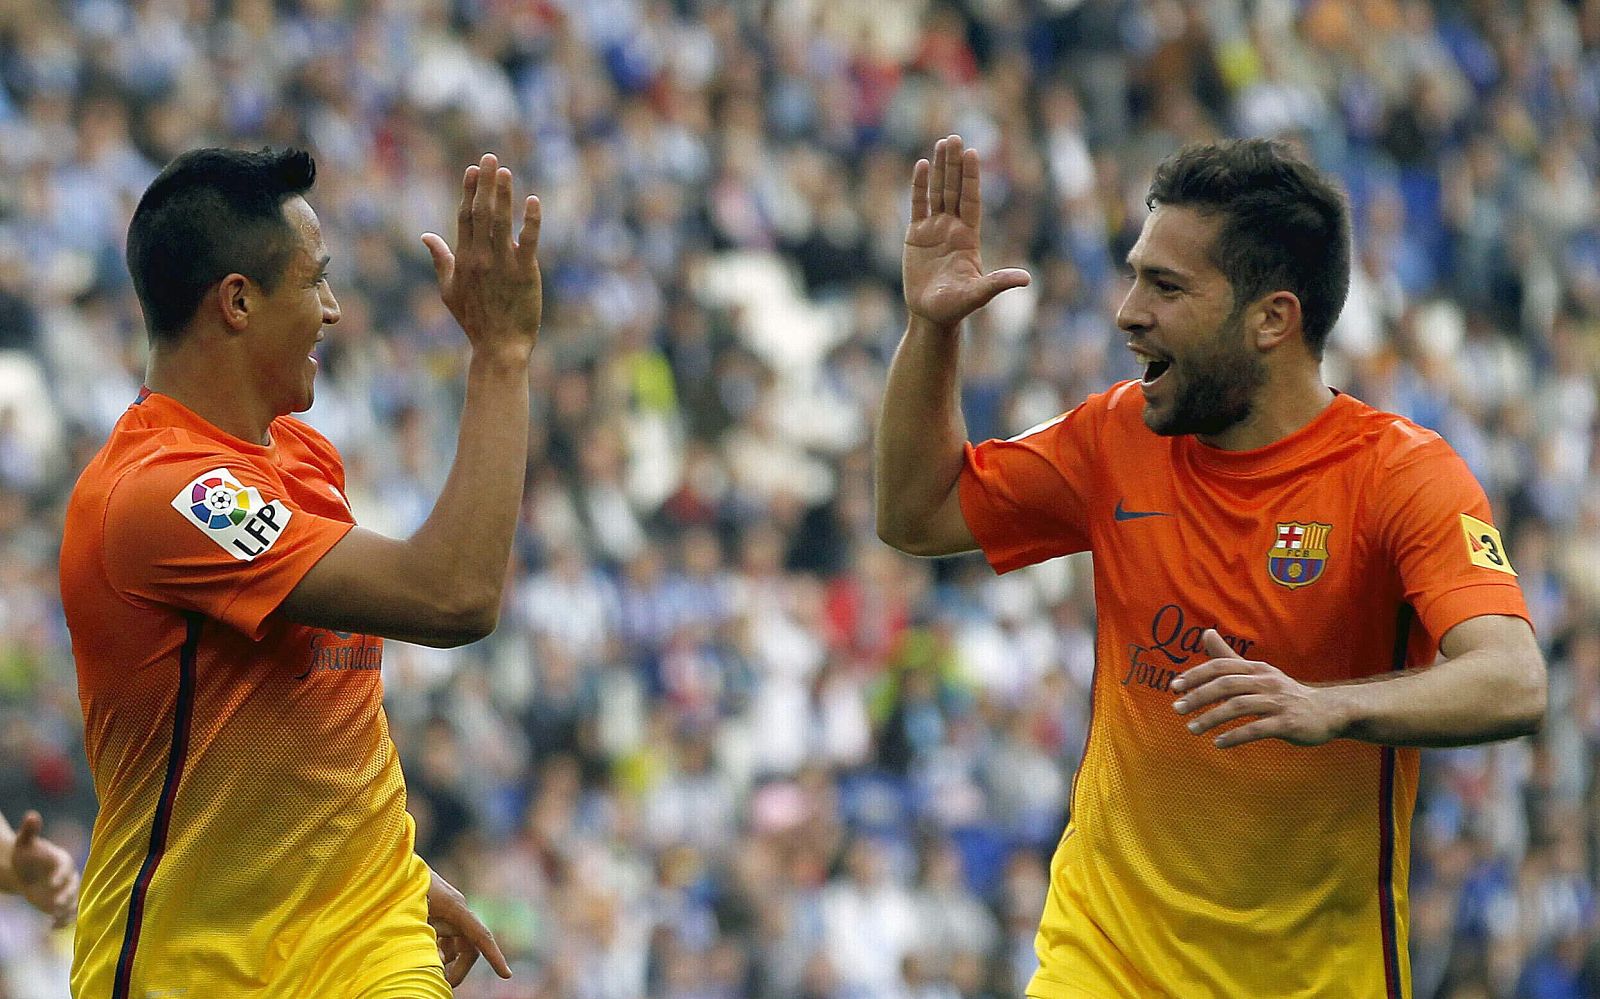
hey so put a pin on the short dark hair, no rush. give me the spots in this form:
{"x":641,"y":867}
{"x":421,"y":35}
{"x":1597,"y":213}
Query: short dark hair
{"x":211,"y":213}
{"x":1284,"y":225}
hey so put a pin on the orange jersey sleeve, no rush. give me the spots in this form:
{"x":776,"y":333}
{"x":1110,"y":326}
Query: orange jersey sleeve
{"x":212,"y":533}
{"x":1028,"y":499}
{"x":1435,"y":522}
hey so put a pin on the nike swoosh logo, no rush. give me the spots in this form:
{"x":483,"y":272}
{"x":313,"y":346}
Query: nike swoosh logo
{"x":1122,"y":514}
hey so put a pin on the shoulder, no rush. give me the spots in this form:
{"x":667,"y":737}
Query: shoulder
{"x":1413,"y":474}
{"x":302,"y":437}
{"x":1396,"y":443}
{"x":158,"y":453}
{"x":164,"y":464}
{"x":141,"y":468}
{"x":1124,"y":399}
{"x":1121,"y":405}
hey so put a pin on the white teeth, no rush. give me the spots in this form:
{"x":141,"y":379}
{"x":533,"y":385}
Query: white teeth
{"x":1145,"y":358}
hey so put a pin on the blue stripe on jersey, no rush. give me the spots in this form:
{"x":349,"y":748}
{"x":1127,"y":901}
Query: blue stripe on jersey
{"x":1388,"y":914}
{"x":182,"y":717}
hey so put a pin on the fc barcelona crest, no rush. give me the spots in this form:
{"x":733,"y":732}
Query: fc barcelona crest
{"x":1299,"y":555}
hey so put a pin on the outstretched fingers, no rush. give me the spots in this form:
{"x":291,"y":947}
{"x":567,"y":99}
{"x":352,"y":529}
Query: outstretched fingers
{"x":500,"y":212}
{"x":528,"y":238}
{"x":954,"y":165}
{"x":936,"y":179}
{"x":970,"y":206}
{"x":482,"y":215}
{"x":469,"y":191}
{"x":919,"y":190}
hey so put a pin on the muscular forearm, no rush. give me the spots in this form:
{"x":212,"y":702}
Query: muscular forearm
{"x":921,"y":434}
{"x":467,"y":539}
{"x":1479,"y":696}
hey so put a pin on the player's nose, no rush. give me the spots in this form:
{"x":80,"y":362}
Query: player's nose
{"x":1132,"y":317}
{"x":330,"y":308}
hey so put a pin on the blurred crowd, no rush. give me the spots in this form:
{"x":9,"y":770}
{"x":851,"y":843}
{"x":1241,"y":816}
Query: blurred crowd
{"x":725,"y":743}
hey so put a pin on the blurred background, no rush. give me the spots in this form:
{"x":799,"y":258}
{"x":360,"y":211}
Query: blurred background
{"x":725,"y":743}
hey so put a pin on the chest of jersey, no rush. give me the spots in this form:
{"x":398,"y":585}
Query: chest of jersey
{"x":1284,"y":567}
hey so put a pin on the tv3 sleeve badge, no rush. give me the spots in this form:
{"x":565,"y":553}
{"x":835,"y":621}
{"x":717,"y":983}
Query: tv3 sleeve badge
{"x":232,"y":514}
{"x":1299,"y":554}
{"x":1484,"y":546}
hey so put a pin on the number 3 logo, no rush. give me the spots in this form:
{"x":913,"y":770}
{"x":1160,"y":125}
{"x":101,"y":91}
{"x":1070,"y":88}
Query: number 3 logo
{"x":1493,"y":550}
{"x":1484,"y":547}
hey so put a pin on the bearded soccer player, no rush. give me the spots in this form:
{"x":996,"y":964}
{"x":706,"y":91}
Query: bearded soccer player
{"x":1294,"y":590}
{"x":227,"y":616}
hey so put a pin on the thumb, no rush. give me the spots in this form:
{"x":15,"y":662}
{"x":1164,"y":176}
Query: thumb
{"x":28,"y":831}
{"x":444,"y":262}
{"x":1004,"y":280}
{"x":1214,"y":646}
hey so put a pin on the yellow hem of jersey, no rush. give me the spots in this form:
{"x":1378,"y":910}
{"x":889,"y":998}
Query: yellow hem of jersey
{"x":412,"y":983}
{"x":1040,"y":987}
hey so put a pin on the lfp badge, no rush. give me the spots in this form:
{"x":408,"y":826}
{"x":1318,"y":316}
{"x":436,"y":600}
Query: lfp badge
{"x":1299,"y":555}
{"x":232,"y":514}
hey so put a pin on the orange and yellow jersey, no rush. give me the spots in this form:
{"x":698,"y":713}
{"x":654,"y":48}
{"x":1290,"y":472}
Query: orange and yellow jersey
{"x":1345,"y":550}
{"x":252,"y":838}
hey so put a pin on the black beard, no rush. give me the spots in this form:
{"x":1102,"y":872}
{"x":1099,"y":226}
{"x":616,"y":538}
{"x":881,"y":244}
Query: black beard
{"x":1219,"y":387}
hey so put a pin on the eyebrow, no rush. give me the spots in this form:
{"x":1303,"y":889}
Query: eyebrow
{"x":1151,"y":270}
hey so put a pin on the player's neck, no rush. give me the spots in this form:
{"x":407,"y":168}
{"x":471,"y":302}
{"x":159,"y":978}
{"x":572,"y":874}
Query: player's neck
{"x":1283,"y":406}
{"x":207,"y":384}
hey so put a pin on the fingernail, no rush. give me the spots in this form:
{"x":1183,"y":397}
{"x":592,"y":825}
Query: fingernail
{"x":1180,"y":706}
{"x":1194,"y":726}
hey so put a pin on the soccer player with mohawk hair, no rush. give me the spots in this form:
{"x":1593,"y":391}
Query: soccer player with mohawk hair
{"x":228,"y":616}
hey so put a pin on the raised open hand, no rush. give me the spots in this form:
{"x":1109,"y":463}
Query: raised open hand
{"x":490,"y":282}
{"x":941,"y":266}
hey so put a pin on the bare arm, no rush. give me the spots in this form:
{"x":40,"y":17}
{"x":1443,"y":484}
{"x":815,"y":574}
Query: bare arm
{"x":1490,"y":686}
{"x":442,"y":586}
{"x":921,"y":431}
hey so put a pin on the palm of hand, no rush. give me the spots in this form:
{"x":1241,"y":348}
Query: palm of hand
{"x":942,"y":269}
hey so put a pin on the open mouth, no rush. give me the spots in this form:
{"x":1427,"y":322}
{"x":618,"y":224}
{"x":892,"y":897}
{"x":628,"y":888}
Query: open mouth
{"x":1154,"y":365}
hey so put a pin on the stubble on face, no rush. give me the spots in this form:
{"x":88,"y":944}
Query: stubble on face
{"x":1219,"y":383}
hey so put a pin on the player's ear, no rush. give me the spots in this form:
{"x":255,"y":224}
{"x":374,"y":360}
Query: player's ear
{"x":1277,"y":319}
{"x":234,"y":301}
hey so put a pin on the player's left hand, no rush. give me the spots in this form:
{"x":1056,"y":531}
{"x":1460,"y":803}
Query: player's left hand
{"x":462,"y":935}
{"x":1283,"y":707}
